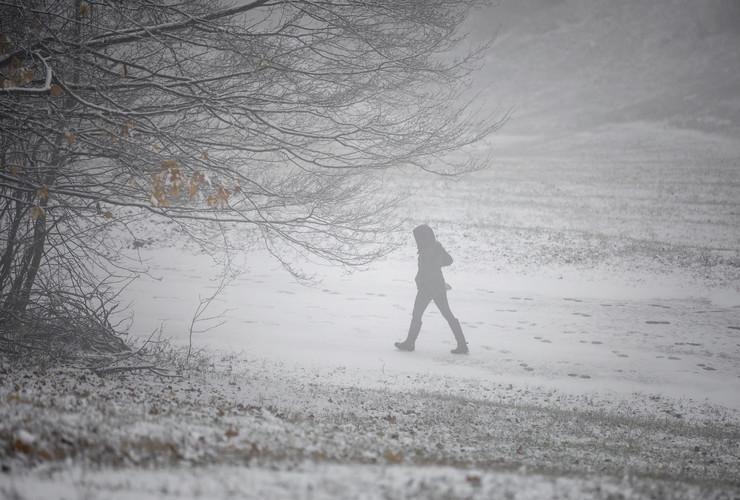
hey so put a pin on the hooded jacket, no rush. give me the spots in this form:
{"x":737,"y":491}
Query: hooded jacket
{"x":432,"y":258}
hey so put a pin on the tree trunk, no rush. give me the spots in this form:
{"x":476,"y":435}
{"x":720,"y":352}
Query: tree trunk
{"x":36,"y":252}
{"x":7,"y":259}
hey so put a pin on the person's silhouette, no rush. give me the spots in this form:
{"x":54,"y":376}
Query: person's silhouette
{"x":430,"y":285}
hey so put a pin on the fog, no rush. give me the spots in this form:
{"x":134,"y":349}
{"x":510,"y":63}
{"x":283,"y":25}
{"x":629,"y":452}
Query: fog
{"x":568,"y":66}
{"x":582,"y":341}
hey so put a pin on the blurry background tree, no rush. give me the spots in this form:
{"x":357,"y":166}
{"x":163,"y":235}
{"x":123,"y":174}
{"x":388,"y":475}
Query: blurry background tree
{"x":279,"y":116}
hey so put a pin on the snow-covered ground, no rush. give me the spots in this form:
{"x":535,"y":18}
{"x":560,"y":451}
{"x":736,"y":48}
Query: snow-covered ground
{"x":338,"y":481}
{"x":614,"y":275}
{"x":600,"y":297}
{"x":251,"y":428}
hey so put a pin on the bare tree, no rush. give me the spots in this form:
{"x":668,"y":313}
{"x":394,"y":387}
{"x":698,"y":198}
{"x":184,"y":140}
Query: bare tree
{"x":277,"y":116}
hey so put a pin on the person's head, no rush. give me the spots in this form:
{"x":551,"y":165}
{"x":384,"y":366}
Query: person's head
{"x":424,"y":236}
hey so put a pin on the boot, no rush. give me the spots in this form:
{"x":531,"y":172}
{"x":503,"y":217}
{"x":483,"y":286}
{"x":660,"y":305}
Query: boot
{"x":462,"y":345}
{"x":410,"y":342}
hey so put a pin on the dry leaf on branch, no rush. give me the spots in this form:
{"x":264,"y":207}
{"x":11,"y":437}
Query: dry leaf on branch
{"x":43,"y":193}
{"x":37,"y":213}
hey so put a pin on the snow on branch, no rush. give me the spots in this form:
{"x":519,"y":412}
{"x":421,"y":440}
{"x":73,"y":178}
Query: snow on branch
{"x":137,"y":33}
{"x":47,"y":87}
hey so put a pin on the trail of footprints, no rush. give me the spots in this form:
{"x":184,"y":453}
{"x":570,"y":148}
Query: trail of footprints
{"x":616,"y":352}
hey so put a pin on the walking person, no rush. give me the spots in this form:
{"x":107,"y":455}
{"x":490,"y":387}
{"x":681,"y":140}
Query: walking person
{"x":431,"y":286}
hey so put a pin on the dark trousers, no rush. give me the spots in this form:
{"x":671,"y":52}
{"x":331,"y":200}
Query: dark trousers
{"x":440,"y":300}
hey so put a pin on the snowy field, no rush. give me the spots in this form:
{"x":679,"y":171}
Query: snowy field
{"x":601,"y":300}
{"x":618,"y":276}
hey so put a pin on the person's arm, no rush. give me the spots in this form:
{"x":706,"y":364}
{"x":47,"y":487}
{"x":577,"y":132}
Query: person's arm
{"x":444,"y":258}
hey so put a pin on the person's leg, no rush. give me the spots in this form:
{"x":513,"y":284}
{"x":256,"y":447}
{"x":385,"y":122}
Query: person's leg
{"x":444,"y":307}
{"x":420,"y":304}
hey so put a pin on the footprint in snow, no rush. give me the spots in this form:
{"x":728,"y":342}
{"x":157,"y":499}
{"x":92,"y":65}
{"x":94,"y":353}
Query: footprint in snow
{"x":674,"y":358}
{"x":597,"y":342}
{"x":582,"y":314}
{"x":652,"y":322}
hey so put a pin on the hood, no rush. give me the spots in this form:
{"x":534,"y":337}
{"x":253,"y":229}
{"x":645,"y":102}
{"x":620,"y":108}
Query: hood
{"x":424,"y":236}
